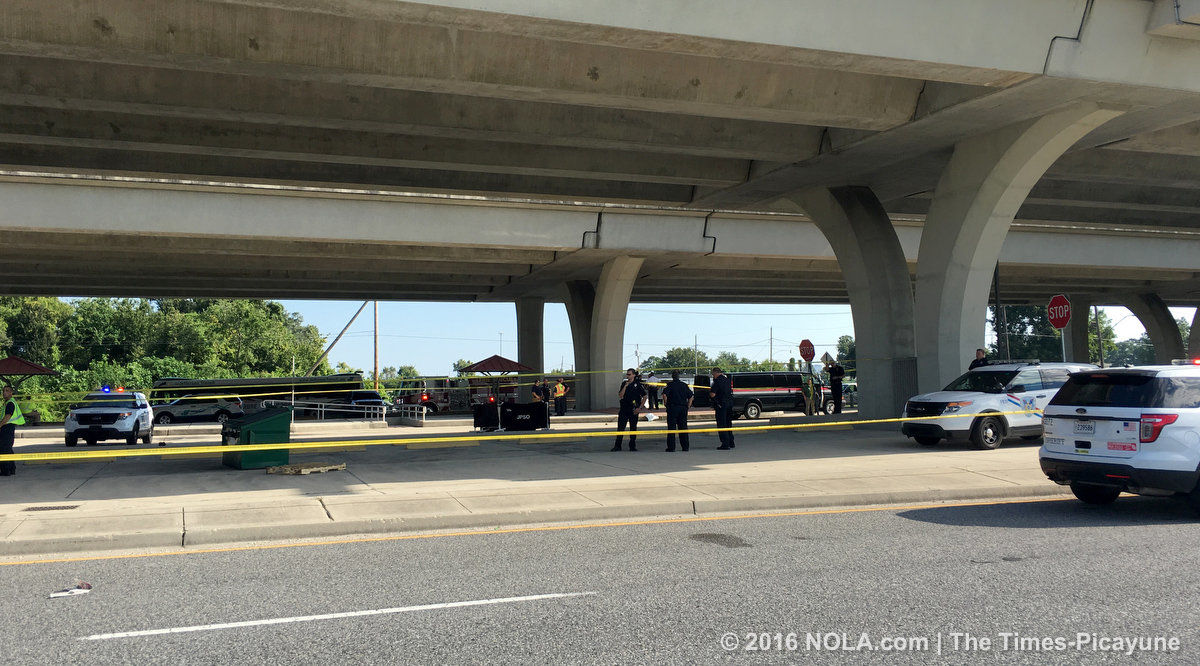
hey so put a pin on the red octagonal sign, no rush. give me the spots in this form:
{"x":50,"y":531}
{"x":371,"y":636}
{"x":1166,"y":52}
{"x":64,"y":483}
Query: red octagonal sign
{"x":807,"y":351}
{"x":1059,"y":310}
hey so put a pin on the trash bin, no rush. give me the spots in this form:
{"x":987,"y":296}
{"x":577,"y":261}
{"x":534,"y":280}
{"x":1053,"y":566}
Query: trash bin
{"x":269,"y":426}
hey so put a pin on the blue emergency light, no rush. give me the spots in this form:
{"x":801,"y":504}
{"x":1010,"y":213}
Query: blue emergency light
{"x":107,"y":389}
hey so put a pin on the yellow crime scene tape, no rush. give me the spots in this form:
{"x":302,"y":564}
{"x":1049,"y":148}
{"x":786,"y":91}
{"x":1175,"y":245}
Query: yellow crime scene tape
{"x":49,"y":456}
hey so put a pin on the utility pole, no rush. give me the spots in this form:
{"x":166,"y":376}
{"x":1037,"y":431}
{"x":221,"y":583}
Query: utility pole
{"x":637,"y":355}
{"x":376,"y":345}
{"x":1099,"y":335}
{"x":771,"y":353}
{"x":695,"y":356}
{"x":502,"y":343}
{"x":1001,"y":318}
{"x":335,"y":340}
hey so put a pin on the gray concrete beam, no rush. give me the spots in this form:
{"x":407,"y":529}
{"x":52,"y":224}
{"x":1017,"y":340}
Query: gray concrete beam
{"x":613,"y":291}
{"x":580,"y":300}
{"x":1160,"y":325}
{"x":1194,"y":336}
{"x":977,"y":199}
{"x":49,"y":84}
{"x":240,"y":140}
{"x":530,"y":339}
{"x":274,"y":40}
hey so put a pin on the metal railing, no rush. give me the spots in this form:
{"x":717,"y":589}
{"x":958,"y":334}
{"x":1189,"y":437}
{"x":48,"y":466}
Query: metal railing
{"x":325,"y":410}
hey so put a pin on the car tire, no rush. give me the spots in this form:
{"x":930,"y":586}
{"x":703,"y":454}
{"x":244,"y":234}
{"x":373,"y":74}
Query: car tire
{"x":753,"y":410}
{"x":1093,"y":494}
{"x":164,"y":418}
{"x":132,"y":439}
{"x":988,"y":433}
{"x":927,"y":441}
{"x":146,"y":438}
{"x":828,"y":407}
{"x":72,"y":440}
{"x":223,"y":417}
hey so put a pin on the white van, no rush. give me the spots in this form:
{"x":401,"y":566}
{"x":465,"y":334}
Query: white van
{"x":979,"y":398}
{"x":1135,"y":430}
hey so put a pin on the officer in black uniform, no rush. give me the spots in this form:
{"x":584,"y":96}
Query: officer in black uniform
{"x":631,"y":394}
{"x":836,"y":373}
{"x":721,"y":393}
{"x":678,"y":397}
{"x":541,"y":393}
{"x":981,"y":359}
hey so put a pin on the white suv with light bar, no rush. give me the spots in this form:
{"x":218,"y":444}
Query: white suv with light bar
{"x":110,"y":414}
{"x":1134,"y":429}
{"x":980,"y":402}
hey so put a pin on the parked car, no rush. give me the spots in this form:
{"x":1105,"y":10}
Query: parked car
{"x":978,"y":399}
{"x":110,"y":414}
{"x":1133,"y":430}
{"x":758,"y":392}
{"x":191,"y":408}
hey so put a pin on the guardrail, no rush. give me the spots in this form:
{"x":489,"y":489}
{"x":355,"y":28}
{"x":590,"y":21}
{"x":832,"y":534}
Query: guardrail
{"x":324,"y":410}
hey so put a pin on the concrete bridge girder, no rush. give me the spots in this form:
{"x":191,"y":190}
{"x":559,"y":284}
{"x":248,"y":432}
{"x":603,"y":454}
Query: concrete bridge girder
{"x":1160,"y":326}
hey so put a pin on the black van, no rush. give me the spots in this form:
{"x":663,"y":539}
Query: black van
{"x":758,"y":392}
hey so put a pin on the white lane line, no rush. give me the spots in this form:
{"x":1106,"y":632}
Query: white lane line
{"x":330,"y":616}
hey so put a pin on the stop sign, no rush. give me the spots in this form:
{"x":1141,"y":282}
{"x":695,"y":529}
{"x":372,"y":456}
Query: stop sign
{"x":807,"y":352}
{"x":1059,"y":310}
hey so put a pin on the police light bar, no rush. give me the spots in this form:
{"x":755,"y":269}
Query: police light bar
{"x":120,"y":389}
{"x":1185,"y":361}
{"x":106,"y":389}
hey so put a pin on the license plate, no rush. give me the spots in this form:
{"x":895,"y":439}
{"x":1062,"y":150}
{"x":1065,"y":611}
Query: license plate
{"x":1085,"y":427}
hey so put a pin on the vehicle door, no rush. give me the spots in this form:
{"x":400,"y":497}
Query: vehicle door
{"x":1025,"y":392}
{"x":145,"y":416}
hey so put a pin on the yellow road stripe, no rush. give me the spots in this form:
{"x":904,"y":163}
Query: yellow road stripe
{"x":301,"y":446}
{"x":544,"y":528}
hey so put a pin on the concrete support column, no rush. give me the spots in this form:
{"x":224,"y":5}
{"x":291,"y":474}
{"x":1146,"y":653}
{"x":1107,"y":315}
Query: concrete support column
{"x":581,"y":298}
{"x":1076,"y":331}
{"x":1194,"y":336}
{"x":608,"y":328}
{"x":976,"y":199}
{"x":530,"y":342}
{"x":1159,"y":324}
{"x":881,"y":301}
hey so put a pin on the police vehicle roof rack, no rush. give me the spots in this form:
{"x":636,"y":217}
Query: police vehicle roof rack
{"x":1027,"y":361}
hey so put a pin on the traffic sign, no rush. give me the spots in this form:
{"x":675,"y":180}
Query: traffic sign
{"x":1059,"y":310}
{"x":807,"y":351}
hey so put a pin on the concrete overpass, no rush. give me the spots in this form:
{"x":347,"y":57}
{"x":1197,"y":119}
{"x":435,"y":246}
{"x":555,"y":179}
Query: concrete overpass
{"x":888,"y":153}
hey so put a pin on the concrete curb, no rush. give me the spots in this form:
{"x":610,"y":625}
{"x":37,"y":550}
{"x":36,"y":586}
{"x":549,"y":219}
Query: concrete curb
{"x":413,"y":524}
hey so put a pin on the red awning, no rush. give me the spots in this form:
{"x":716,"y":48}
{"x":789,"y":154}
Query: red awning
{"x":496,"y":363}
{"x":16,"y":367}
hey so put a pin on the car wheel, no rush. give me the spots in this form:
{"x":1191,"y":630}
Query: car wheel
{"x":148,"y":436}
{"x":828,"y":407}
{"x":988,"y":433}
{"x":132,"y":439}
{"x":222,"y":416}
{"x":753,"y":410}
{"x":72,"y":440}
{"x":1092,"y":494}
{"x":164,"y":418}
{"x":927,"y":441}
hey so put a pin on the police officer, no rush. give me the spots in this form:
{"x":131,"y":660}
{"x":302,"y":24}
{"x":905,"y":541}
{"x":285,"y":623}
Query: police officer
{"x":980,"y":359}
{"x":836,"y":373}
{"x":541,"y":394}
{"x":8,"y":430}
{"x":560,"y":397}
{"x":652,"y":390}
{"x":721,"y":393}
{"x":678,"y":397}
{"x":631,"y":394}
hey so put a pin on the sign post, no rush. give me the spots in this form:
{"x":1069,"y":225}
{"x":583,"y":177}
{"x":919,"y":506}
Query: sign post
{"x":808,"y":352}
{"x":1059,"y":310}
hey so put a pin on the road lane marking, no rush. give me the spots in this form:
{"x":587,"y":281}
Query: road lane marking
{"x":330,"y":616}
{"x":542,"y":528}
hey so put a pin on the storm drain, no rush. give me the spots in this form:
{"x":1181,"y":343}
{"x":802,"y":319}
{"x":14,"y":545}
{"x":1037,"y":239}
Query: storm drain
{"x":60,"y":507}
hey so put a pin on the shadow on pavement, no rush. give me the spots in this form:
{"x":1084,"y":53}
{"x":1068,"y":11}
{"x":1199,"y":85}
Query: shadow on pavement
{"x":1126,"y":511}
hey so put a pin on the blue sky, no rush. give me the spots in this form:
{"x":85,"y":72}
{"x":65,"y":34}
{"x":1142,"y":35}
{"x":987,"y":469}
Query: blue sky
{"x":431,"y":336}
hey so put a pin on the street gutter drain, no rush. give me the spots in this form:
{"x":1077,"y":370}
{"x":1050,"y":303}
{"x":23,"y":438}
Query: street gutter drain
{"x":62,"y":507}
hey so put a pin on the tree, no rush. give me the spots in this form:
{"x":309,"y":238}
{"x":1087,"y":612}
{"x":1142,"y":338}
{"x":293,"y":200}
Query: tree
{"x":459,"y":365}
{"x":677,"y":358}
{"x":847,"y":353}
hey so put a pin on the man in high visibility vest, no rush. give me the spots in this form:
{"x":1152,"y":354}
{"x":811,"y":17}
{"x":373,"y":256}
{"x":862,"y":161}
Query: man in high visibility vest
{"x":8,"y":430}
{"x":560,"y":397}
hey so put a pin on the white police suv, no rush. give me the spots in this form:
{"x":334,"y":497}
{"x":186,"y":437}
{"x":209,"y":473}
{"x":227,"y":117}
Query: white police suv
{"x":1126,"y":429}
{"x":110,"y":414}
{"x":978,"y":398}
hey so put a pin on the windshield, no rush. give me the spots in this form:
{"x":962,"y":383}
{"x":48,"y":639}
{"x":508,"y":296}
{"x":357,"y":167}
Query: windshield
{"x":983,"y":381}
{"x":113,"y":400}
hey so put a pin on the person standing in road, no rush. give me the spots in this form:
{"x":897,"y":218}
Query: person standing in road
{"x":721,"y":393}
{"x":652,"y":390}
{"x":678,"y":397}
{"x":630,"y":396}
{"x":836,"y":374}
{"x":981,"y":359}
{"x":8,"y":430}
{"x":560,"y":397}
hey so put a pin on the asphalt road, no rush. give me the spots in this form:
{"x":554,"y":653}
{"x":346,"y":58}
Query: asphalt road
{"x":658,"y":592}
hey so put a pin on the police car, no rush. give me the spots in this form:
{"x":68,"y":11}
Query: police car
{"x":1132,"y":429}
{"x":110,"y":414}
{"x":978,"y":399}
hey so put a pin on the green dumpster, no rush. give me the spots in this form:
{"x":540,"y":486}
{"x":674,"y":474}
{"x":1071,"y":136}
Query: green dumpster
{"x":269,"y":426}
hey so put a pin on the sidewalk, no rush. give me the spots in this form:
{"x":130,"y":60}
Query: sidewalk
{"x":139,"y":503}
